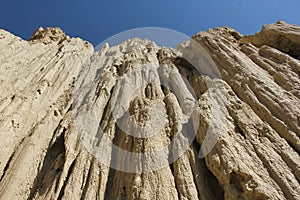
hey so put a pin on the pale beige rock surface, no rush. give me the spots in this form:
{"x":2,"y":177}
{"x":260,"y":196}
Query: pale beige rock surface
{"x":54,"y":90}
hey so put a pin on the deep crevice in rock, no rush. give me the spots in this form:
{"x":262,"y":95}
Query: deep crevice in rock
{"x":51,"y":168}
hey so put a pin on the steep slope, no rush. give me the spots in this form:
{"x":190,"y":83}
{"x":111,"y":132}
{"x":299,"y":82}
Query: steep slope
{"x":36,"y":86}
{"x":218,"y":118}
{"x":263,"y":159}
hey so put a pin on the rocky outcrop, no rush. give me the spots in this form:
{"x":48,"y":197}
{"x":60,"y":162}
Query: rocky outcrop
{"x":36,"y":90}
{"x":261,"y":149}
{"x":282,"y":36}
{"x":218,"y":118}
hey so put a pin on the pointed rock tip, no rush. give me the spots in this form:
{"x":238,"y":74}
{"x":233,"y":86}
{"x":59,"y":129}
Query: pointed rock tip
{"x":48,"y":35}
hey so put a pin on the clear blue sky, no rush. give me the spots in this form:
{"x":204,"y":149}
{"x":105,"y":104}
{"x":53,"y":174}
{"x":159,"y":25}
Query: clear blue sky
{"x":96,"y":20}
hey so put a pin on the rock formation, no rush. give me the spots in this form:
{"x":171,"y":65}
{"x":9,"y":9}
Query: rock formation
{"x":218,"y":118}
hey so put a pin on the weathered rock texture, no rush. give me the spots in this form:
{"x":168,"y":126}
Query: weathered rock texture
{"x":256,"y":155}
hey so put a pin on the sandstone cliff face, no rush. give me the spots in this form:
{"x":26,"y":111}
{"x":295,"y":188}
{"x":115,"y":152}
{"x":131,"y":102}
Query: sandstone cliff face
{"x":82,"y":125}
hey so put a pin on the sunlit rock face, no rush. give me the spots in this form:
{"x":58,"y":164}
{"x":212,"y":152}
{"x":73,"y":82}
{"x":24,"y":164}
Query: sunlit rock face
{"x":216,"y":118}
